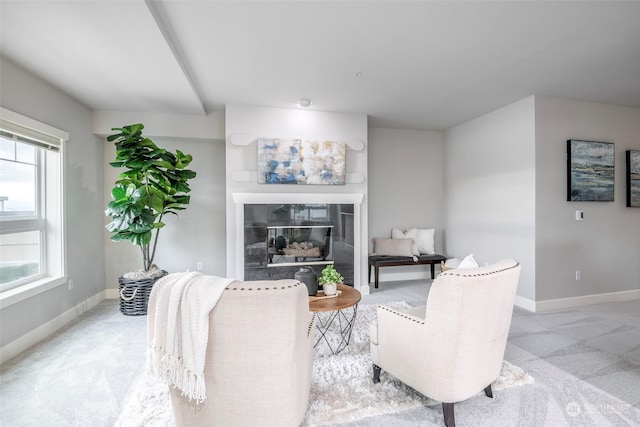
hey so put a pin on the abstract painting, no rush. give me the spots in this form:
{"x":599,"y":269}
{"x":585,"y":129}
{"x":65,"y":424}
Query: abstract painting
{"x":295,"y":161}
{"x":590,"y":171}
{"x":633,"y":179}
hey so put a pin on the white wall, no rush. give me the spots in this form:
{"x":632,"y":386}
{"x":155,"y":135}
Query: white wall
{"x":37,"y":316}
{"x":247,"y":123}
{"x":489,"y":190}
{"x":505,"y":195}
{"x":605,"y":246}
{"x":405,"y":189}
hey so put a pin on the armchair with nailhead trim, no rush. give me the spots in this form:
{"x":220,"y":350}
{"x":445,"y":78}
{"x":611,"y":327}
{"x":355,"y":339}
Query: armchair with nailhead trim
{"x":452,"y":348}
{"x":259,"y":357}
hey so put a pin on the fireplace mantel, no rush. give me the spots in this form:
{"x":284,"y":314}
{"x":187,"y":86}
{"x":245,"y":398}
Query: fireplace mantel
{"x":258,"y":198}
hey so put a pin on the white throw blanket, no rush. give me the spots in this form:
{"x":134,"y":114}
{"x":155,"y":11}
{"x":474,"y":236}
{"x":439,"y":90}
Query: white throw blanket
{"x":178,"y":329}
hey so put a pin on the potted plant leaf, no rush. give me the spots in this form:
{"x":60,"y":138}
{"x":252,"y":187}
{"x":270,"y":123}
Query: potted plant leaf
{"x":155,"y":183}
{"x":329,"y":279}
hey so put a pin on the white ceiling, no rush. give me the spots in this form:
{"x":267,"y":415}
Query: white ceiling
{"x":424,"y":64}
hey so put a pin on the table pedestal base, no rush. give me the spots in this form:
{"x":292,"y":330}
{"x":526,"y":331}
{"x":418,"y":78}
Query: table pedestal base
{"x":334,"y":328}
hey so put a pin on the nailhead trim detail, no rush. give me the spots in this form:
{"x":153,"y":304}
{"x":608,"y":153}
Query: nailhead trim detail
{"x":454,"y":272}
{"x":311,"y":324}
{"x":265,"y":289}
{"x":397,"y":313}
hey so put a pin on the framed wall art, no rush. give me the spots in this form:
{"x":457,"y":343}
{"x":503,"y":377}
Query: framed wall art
{"x":295,"y":161}
{"x":633,"y":179}
{"x":590,"y":171}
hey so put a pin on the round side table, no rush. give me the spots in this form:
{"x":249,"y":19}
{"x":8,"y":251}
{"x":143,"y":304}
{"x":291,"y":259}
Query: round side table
{"x":335,"y":314}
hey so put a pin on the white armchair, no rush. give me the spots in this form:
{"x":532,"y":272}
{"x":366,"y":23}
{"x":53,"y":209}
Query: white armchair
{"x":259,"y":356}
{"x":452,"y":348}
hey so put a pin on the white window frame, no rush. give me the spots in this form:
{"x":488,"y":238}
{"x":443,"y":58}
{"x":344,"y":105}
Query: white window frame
{"x":53,"y":222}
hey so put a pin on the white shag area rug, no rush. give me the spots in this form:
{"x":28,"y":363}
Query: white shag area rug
{"x":341,"y":388}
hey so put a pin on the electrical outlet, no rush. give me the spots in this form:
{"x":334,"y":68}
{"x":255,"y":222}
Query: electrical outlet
{"x":70,"y":284}
{"x":578,"y":274}
{"x":199,"y":266}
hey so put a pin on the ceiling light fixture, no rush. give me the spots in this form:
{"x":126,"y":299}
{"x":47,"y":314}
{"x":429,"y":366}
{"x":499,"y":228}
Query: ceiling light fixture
{"x":304,"y":103}
{"x":357,"y":75}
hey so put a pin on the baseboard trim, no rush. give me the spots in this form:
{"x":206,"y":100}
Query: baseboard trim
{"x":364,"y":289}
{"x":112,"y":294}
{"x":33,"y":337}
{"x":525,"y":303}
{"x":562,"y":303}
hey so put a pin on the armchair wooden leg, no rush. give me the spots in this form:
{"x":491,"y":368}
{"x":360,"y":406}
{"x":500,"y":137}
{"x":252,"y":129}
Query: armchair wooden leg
{"x":488,"y":391}
{"x":449,"y":419}
{"x":376,"y":374}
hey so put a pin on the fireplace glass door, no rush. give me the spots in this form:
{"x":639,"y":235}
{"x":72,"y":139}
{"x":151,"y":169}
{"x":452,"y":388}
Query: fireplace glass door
{"x":279,"y":239}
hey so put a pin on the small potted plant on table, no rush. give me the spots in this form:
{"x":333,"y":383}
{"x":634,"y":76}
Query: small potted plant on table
{"x":329,"y":279}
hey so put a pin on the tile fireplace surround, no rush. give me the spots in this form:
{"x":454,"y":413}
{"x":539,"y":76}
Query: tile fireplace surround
{"x":269,"y":215}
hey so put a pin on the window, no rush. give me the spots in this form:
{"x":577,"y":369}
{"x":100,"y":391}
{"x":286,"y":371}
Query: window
{"x":31,"y":243}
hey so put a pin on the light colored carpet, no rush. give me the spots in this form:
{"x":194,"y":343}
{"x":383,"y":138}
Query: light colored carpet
{"x":585,"y":360}
{"x":341,"y":390}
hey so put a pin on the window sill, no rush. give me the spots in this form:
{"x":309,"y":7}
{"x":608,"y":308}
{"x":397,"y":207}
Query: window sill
{"x":21,"y":293}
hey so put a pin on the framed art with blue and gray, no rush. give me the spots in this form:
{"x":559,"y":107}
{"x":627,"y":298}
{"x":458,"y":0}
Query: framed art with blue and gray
{"x":294,"y":161}
{"x":633,"y":179}
{"x":590,"y":171}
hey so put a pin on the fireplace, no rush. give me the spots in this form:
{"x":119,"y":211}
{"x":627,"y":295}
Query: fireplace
{"x":281,"y":238}
{"x":277,"y":233}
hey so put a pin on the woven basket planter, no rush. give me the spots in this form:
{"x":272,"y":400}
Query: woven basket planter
{"x":134,"y":295}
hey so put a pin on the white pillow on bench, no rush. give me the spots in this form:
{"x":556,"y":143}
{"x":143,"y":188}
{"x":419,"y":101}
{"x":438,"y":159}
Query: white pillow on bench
{"x":423,"y":239}
{"x":412,"y":234}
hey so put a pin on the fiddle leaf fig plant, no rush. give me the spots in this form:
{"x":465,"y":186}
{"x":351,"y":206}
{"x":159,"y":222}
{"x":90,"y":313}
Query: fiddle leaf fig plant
{"x":155,"y":183}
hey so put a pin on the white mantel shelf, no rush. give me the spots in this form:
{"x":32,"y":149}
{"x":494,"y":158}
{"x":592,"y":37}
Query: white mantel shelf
{"x":266,"y":198}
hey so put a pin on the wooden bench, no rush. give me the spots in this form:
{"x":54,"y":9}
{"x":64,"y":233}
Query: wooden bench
{"x":378,"y":261}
